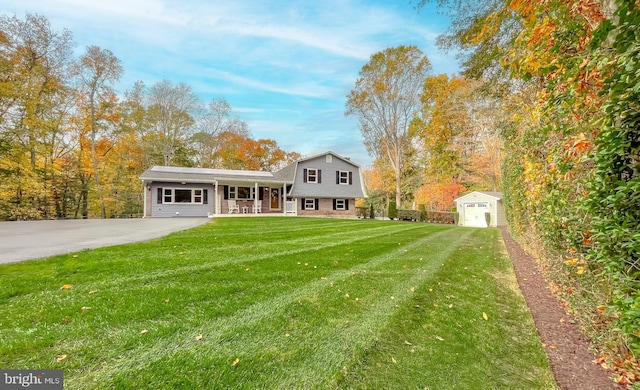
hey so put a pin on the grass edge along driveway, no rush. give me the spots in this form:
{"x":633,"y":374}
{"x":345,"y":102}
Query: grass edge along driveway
{"x":277,"y":303}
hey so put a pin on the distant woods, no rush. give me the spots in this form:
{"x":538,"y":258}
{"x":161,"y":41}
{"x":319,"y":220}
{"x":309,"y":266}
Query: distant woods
{"x":70,"y":147}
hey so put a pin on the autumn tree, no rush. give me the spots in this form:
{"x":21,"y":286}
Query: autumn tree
{"x":444,"y":125}
{"x":34,"y":65}
{"x":439,"y":194}
{"x":71,"y":147}
{"x":98,"y":68}
{"x":385,"y":99}
{"x":488,"y":116}
{"x":210,"y":123}
{"x":379,"y":181}
{"x":169,"y":117}
{"x":480,"y":32}
{"x":241,"y":152}
{"x":460,"y":137}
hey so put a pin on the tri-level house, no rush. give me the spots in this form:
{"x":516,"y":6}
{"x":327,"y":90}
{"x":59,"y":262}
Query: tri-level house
{"x":325,"y":184}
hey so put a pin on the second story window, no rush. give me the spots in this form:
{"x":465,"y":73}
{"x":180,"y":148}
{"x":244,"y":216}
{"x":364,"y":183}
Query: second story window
{"x":312,"y":175}
{"x":344,"y":177}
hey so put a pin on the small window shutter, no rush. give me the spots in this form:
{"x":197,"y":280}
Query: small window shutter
{"x":334,"y":203}
{"x":350,"y":177}
{"x":318,"y":203}
{"x":226,"y":192}
{"x":337,"y":178}
{"x":319,"y":177}
{"x":346,"y":204}
{"x":159,"y":195}
{"x":302,"y":204}
{"x":205,"y":196}
{"x":304,"y":175}
{"x":261,"y":193}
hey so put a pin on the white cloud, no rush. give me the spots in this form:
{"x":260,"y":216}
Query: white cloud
{"x":305,"y":89}
{"x":285,"y":66}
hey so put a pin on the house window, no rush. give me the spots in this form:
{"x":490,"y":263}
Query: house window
{"x":344,"y":177}
{"x":197,"y":196}
{"x":312,"y":175}
{"x":341,"y":204}
{"x":246,"y":193}
{"x":310,"y":204}
{"x":182,"y":195}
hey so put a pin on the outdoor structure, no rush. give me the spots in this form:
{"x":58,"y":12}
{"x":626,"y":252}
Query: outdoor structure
{"x":474,"y":207}
{"x":324,"y":184}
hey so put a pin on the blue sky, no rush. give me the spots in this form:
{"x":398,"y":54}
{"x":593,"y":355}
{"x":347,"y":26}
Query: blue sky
{"x":285,"y":67}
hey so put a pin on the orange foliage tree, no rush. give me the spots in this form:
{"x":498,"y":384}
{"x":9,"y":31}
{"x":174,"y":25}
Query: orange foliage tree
{"x":460,"y":140}
{"x":237,"y":151}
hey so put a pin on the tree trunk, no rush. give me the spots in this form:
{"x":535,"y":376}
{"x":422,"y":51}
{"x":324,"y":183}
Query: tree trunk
{"x":82,"y":207}
{"x":398,"y":189}
{"x":94,"y":161}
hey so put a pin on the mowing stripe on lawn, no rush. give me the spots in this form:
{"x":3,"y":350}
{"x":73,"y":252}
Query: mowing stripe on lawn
{"x":475,"y":314}
{"x":230,"y":336}
{"x":230,"y":254}
{"x":279,"y":302}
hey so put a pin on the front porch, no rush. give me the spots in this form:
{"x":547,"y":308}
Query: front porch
{"x":240,"y":198}
{"x":246,"y":209}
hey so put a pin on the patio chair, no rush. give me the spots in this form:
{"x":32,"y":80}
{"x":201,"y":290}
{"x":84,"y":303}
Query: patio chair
{"x":233,"y":207}
{"x":257,"y":208}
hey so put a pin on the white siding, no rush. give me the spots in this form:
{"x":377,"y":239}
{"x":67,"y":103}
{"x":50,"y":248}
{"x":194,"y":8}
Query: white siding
{"x":496,"y":208}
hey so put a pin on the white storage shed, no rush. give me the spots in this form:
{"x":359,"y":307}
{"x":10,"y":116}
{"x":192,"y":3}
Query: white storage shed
{"x":474,"y":207}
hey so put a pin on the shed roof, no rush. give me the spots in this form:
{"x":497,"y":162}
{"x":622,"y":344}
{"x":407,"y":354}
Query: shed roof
{"x":497,"y":195}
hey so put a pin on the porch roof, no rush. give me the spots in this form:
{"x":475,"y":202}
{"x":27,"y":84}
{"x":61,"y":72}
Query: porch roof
{"x":208,"y":175}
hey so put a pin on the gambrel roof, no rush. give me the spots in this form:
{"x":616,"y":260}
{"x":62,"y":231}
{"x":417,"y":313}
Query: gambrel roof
{"x":328,"y":162}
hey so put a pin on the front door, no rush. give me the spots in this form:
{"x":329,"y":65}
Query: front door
{"x":274,"y":204}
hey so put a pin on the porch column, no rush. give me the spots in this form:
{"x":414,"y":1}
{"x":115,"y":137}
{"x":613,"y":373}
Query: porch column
{"x":144,"y":191}
{"x":216,"y":200}
{"x":256,"y":197}
{"x":283,"y":199}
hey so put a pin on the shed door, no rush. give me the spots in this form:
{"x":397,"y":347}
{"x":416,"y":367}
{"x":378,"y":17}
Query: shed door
{"x":474,"y":214}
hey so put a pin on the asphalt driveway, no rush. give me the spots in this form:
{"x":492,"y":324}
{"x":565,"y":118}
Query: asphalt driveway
{"x":24,"y":240}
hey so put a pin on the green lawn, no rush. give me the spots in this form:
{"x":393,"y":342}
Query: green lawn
{"x":278,"y":303}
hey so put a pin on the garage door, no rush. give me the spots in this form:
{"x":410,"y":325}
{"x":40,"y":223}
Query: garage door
{"x":474,"y":214}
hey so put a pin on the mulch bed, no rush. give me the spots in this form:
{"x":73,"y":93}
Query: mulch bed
{"x":569,"y":357}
